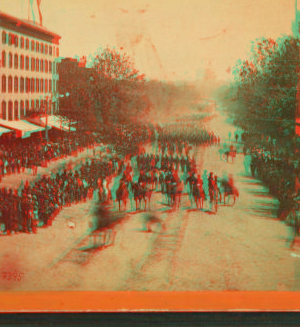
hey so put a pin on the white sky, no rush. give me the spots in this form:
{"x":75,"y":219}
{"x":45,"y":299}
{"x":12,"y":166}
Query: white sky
{"x":174,"y":39}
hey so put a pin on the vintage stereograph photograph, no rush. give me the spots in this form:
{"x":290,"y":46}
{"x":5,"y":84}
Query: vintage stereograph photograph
{"x":149,"y":146}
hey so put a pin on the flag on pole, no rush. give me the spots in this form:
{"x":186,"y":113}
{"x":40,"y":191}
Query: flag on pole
{"x":32,"y":11}
{"x":40,"y":13}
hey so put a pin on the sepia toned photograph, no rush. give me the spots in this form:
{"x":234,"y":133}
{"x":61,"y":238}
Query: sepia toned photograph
{"x":149,"y":146}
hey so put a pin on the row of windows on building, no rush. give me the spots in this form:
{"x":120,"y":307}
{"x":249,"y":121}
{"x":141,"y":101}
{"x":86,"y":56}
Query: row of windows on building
{"x":33,"y":64}
{"x":24,"y":107}
{"x":27,"y":85}
{"x":13,"y":39}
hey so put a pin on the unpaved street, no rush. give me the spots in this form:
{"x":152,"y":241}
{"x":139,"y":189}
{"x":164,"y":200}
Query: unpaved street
{"x":241,"y":247}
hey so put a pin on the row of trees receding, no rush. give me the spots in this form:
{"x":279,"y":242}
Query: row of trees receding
{"x":262,"y":97}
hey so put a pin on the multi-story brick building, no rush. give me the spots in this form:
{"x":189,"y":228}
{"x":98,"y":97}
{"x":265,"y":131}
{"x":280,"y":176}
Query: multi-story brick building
{"x":28,"y":68}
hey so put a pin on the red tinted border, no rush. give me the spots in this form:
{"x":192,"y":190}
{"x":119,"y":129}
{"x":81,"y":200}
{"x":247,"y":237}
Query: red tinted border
{"x":148,"y":301}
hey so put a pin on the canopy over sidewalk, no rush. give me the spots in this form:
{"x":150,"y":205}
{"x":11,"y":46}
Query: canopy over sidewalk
{"x":4,"y":130}
{"x":58,"y":122}
{"x":23,"y":127}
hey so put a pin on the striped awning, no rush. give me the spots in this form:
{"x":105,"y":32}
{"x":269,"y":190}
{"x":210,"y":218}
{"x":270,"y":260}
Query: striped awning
{"x":24,"y":127}
{"x":4,"y":130}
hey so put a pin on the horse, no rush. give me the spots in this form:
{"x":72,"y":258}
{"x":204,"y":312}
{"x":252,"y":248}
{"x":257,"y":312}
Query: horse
{"x":103,"y":225}
{"x":214,"y":195}
{"x":148,"y":194}
{"x":104,"y":194}
{"x":228,"y":190}
{"x":144,"y":191}
{"x":167,"y":188}
{"x":175,"y":192}
{"x":138,"y":194}
{"x":162,"y":181}
{"x":229,"y":153}
{"x":122,"y":194}
{"x":198,"y":193}
{"x":156,"y":177}
{"x":152,"y":178}
{"x":189,"y":187}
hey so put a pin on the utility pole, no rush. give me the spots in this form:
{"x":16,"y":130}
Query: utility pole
{"x":46,"y":111}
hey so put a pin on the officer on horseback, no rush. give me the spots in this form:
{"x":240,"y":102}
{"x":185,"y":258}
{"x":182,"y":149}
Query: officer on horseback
{"x":142,"y":181}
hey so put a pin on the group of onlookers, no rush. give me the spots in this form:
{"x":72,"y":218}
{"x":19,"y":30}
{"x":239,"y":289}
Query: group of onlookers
{"x":38,"y":204}
{"x":277,"y":168}
{"x":18,"y":155}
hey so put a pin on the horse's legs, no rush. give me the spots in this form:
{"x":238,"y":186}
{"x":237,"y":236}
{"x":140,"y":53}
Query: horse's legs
{"x":119,"y":205}
{"x":149,"y":229}
{"x":179,"y":200}
{"x":112,"y":236}
{"x":136,"y":201}
{"x":103,"y":237}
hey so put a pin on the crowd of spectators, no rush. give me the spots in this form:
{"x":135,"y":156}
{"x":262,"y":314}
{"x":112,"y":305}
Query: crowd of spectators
{"x":21,"y":211}
{"x":276,"y":167}
{"x":38,"y":204}
{"x":17,"y":155}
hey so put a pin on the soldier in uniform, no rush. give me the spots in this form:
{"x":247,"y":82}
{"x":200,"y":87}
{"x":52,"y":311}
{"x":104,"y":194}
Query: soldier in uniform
{"x":29,"y":213}
{"x":253,"y":164}
{"x":24,"y":213}
{"x":35,"y":213}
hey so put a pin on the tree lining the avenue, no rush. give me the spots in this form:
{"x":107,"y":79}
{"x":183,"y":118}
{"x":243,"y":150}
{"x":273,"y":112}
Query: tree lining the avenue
{"x":263,"y":94}
{"x":109,"y":89}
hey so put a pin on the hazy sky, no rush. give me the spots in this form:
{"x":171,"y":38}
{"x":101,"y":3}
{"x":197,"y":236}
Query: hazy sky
{"x":172,"y":39}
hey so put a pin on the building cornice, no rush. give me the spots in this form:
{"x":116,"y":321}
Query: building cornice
{"x":27,"y":27}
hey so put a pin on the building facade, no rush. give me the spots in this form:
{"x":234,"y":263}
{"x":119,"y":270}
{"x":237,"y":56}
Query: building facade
{"x":28,"y":68}
{"x":75,"y":81}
